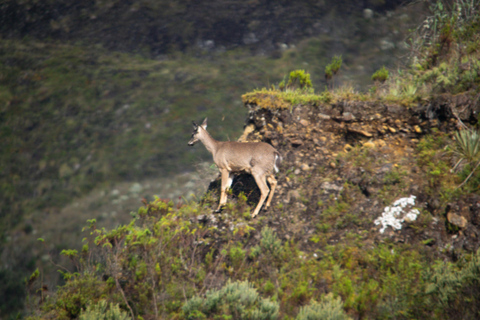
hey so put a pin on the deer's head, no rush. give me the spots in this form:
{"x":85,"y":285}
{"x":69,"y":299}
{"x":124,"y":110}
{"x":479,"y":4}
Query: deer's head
{"x":198,"y":131}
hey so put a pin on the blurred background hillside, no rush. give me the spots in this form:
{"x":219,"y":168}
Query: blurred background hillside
{"x":97,"y":98}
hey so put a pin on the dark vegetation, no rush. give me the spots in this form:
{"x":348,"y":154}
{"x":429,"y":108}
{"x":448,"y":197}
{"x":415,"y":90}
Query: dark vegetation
{"x":156,"y":27}
{"x":318,"y":252}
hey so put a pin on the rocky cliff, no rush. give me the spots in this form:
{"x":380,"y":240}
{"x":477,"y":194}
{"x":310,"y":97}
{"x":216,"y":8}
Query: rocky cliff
{"x":348,"y":163}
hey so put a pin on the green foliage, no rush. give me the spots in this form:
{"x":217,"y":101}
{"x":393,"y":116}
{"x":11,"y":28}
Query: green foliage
{"x":69,"y":253}
{"x":277,"y":99}
{"x":329,"y":308}
{"x":75,"y":295}
{"x":435,"y":162}
{"x":381,"y":75}
{"x":455,"y":291}
{"x":236,"y":300}
{"x":445,"y":55}
{"x":467,"y":145}
{"x":333,"y":67}
{"x":270,"y":243}
{"x":34,"y":276}
{"x":104,"y":311}
{"x":299,"y":79}
{"x":237,"y":256}
{"x":163,"y":255}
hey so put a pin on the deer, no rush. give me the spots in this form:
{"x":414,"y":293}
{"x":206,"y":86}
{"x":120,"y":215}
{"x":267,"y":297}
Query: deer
{"x":259,"y":159}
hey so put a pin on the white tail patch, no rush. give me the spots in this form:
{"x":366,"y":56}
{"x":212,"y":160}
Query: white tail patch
{"x":277,"y":157}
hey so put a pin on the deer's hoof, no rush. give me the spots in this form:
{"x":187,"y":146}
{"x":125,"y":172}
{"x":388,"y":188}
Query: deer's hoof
{"x":218,"y":210}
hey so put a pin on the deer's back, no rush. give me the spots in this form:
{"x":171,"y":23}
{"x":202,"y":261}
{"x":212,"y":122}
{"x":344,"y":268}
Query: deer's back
{"x":248,"y":156}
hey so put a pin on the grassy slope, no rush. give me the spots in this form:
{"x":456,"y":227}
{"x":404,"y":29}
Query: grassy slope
{"x":166,"y":256}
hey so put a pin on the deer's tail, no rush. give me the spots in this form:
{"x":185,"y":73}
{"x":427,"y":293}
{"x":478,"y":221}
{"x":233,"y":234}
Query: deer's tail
{"x":278,"y":161}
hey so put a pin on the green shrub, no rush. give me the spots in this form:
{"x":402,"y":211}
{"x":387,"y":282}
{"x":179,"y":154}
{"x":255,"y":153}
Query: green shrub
{"x":236,"y":300}
{"x":380,"y":75}
{"x":455,"y":292}
{"x":237,"y":256}
{"x":299,"y":79}
{"x":75,"y":295}
{"x":103,"y":311}
{"x":467,"y":145}
{"x":333,"y":67}
{"x":270,"y":243}
{"x":329,"y":308}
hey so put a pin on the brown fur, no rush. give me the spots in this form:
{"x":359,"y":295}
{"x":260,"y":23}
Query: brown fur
{"x":257,"y":158}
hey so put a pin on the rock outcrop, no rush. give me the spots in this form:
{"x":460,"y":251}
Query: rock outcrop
{"x":347,"y":162}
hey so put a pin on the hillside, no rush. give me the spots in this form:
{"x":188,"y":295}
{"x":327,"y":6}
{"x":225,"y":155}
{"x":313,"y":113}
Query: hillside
{"x":87,"y":131}
{"x":345,"y":162}
{"x":160,"y":27}
{"x":375,"y":216}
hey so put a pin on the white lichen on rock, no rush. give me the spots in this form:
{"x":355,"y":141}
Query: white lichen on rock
{"x":400,"y":211}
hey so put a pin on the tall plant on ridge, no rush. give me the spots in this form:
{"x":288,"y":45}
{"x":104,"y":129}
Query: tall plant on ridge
{"x":333,"y":67}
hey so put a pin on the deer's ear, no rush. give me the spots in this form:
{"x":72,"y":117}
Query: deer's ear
{"x":204,"y":124}
{"x":195,"y":126}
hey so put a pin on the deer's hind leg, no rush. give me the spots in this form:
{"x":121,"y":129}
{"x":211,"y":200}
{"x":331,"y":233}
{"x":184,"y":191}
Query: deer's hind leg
{"x":227,"y":179}
{"x":264,"y":190}
{"x":273,"y":184}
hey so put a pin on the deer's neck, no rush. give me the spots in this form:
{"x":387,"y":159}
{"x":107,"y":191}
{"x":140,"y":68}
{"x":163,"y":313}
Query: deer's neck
{"x":209,"y":143}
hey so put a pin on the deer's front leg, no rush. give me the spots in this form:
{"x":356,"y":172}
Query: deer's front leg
{"x":227,"y":179}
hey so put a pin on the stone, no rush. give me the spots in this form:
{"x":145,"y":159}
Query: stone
{"x":457,"y":220}
{"x":248,"y":129}
{"x":369,"y":144}
{"x":328,"y":186}
{"x":304,"y":122}
{"x":333,"y":165}
{"x":360,"y":131}
{"x":348,"y":116}
{"x":385,"y":168}
{"x":417,"y":129}
{"x":305,"y":167}
{"x":202,"y":217}
{"x":296,"y":143}
{"x":368,"y":14}
{"x":392,"y":130}
{"x":347,"y":147}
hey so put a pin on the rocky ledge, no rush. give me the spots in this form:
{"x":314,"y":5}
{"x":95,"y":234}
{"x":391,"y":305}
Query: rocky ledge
{"x":349,"y":165}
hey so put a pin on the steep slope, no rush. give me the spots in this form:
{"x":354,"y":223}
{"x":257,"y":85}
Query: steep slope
{"x":328,"y":231}
{"x":346,"y":161}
